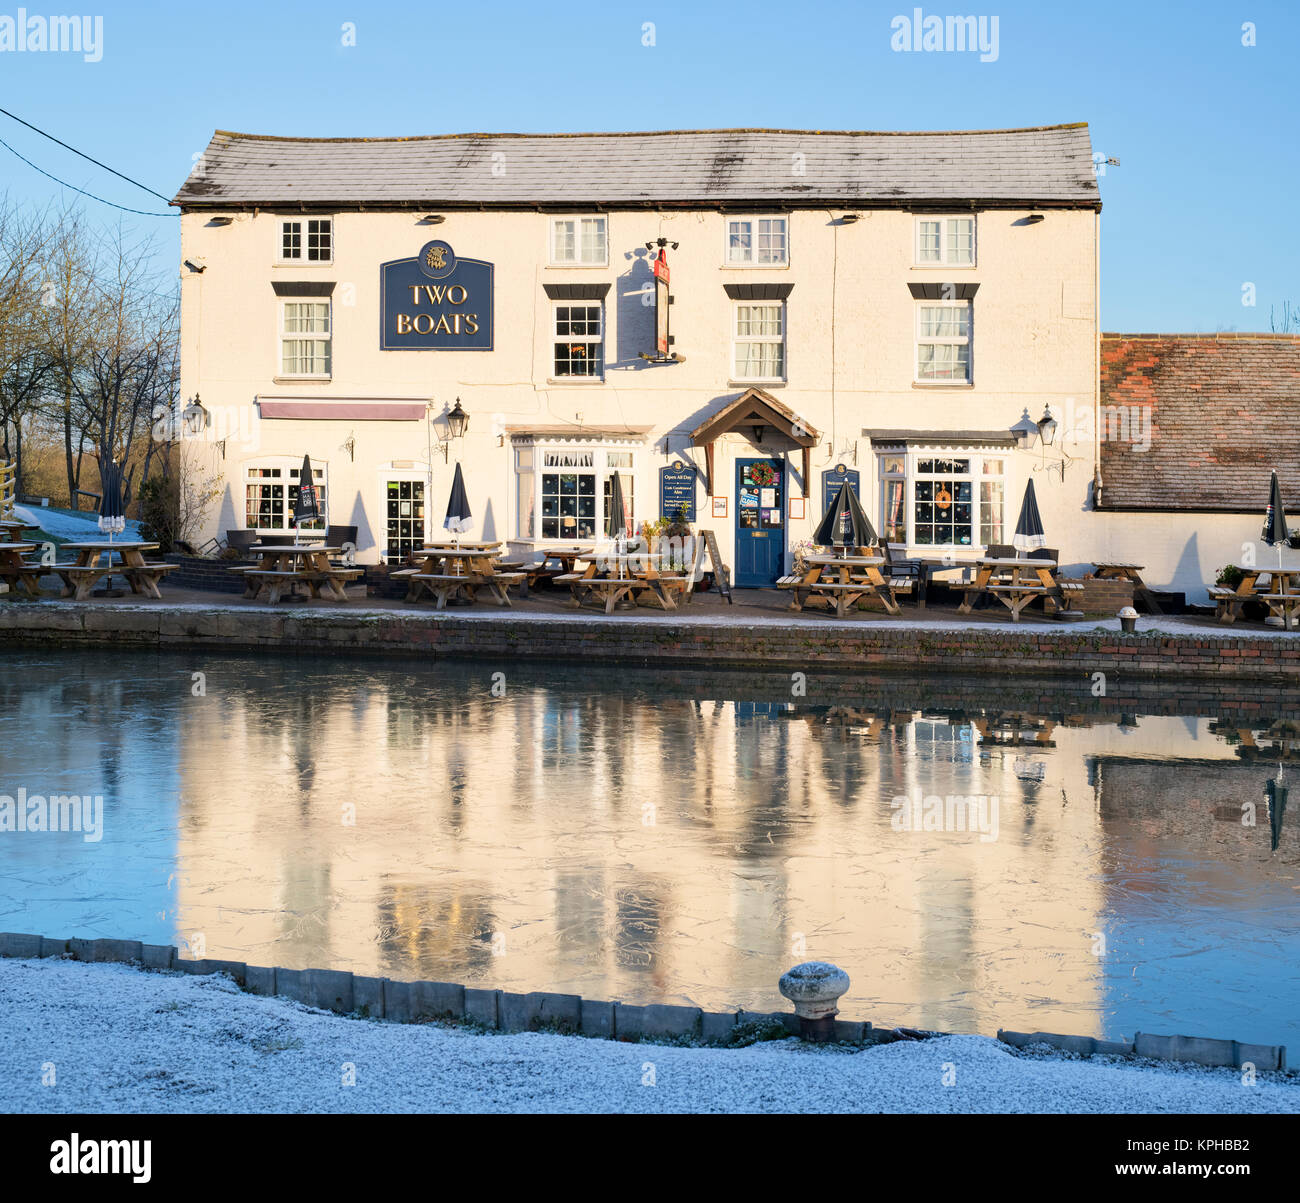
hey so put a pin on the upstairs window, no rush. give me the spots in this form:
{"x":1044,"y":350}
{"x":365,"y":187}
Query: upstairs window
{"x":943,"y":338}
{"x":305,"y":338}
{"x":579,"y":341}
{"x":945,"y":241}
{"x":758,"y":345}
{"x":757,"y":242}
{"x":579,"y":242}
{"x":307,"y":240}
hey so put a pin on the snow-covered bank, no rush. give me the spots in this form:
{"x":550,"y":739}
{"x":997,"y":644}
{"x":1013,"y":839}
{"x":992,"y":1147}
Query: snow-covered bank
{"x":68,"y":526}
{"x":120,"y":1039}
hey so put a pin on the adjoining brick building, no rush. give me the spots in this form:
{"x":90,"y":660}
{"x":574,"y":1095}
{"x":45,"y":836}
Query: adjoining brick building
{"x":1189,"y":429}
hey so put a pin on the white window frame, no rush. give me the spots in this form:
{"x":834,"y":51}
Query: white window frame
{"x":284,"y":336}
{"x":289,"y":467}
{"x":753,"y":260}
{"x":600,"y":468}
{"x":945,"y":249}
{"x":912,"y":457}
{"x":737,"y":338}
{"x":556,"y":339}
{"x":956,"y":340}
{"x":418,"y":473}
{"x":301,"y":260}
{"x":578,"y":260}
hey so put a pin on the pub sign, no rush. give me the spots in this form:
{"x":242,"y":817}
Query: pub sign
{"x":435,"y":301}
{"x":677,"y":490}
{"x":834,"y":478}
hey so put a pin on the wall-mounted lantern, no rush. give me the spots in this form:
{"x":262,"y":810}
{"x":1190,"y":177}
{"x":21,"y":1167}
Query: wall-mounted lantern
{"x":196,"y":418}
{"x":1047,"y":426}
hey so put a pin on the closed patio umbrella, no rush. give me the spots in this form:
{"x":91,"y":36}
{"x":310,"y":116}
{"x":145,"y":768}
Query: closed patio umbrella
{"x":1275,"y":532}
{"x":616,"y":519}
{"x":845,"y":524}
{"x":1276,"y":792}
{"x":1029,"y":529}
{"x":458,"y":519}
{"x":112,"y":513}
{"x":307,"y":507}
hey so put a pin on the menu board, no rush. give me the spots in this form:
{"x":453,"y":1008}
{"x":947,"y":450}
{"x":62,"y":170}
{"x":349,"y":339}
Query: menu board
{"x":677,"y":490}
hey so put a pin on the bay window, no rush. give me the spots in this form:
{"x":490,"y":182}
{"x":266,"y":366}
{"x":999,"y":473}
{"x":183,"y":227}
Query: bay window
{"x":942,"y":499}
{"x":563,"y":493}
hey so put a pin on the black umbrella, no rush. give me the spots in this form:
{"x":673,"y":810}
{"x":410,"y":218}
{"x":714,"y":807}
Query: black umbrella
{"x":845,"y":524}
{"x":112,"y":513}
{"x":1274,"y":533}
{"x":1276,"y":792}
{"x":1029,"y":530}
{"x":458,"y":519}
{"x":616,"y":519}
{"x":307,"y":507}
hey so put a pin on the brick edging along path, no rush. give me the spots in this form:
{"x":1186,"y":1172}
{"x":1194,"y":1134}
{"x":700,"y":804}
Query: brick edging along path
{"x":499,"y":1010}
{"x":1028,"y":649}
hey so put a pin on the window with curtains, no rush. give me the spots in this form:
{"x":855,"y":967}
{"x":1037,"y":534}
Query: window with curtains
{"x":943,"y":342}
{"x":271,"y":492}
{"x":564,"y":493}
{"x":305,"y":338}
{"x":579,"y":242}
{"x":945,"y":241}
{"x":759,"y":341}
{"x":952,"y":500}
{"x":757,"y":242}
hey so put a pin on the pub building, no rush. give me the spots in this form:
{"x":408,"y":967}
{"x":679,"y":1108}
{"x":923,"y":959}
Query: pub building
{"x":735,"y":322}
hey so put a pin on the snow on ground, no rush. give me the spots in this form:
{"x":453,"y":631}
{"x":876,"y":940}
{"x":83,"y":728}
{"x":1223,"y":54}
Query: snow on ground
{"x":69,"y":526}
{"x":123,"y":1040}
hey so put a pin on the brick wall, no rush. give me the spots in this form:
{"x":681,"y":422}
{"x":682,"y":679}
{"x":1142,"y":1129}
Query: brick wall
{"x":213,"y":576}
{"x":674,"y":644}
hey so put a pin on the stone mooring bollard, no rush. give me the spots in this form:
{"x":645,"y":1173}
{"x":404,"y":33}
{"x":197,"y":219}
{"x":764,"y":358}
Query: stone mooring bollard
{"x":815,"y":987}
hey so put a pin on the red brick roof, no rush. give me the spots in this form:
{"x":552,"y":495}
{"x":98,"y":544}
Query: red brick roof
{"x":1221,"y":411}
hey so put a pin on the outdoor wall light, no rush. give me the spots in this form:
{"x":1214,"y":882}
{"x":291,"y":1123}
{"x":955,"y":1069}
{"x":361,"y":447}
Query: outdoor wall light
{"x":196,"y":417}
{"x":1034,"y":218}
{"x":458,"y":421}
{"x":1026,"y":431}
{"x":849,"y":218}
{"x":432,"y":219}
{"x":1047,"y":426}
{"x":221,"y":221}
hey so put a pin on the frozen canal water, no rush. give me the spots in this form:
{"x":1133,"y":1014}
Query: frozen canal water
{"x":660,"y":837}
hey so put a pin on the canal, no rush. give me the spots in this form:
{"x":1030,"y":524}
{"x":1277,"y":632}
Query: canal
{"x":975,"y":853}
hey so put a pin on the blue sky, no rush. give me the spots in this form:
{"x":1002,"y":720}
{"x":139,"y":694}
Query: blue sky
{"x":1204,"y":126}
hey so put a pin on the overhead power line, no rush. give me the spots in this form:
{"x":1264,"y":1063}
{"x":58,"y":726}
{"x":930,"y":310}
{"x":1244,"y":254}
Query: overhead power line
{"x":89,"y":159}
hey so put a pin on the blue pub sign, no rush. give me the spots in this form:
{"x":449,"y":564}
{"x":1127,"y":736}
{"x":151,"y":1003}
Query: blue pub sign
{"x":435,"y":301}
{"x":677,"y":490}
{"x":834,"y":478}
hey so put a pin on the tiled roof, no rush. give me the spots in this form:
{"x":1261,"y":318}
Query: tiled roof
{"x":1222,"y":410}
{"x":1049,"y":165}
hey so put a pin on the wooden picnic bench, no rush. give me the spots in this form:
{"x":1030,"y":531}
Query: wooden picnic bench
{"x":282,"y":567}
{"x":446,"y":585}
{"x":80,"y":577}
{"x":1281,"y":595}
{"x":839,"y":582}
{"x":1113,"y":571}
{"x":1017,"y":581}
{"x":16,"y":569}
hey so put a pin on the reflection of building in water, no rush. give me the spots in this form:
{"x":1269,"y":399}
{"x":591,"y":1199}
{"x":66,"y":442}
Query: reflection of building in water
{"x":654,"y":849}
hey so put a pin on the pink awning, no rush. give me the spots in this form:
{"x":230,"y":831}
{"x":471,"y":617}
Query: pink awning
{"x":374,"y":410}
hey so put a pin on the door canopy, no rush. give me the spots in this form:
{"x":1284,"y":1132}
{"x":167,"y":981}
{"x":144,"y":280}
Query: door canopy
{"x":756,"y":413}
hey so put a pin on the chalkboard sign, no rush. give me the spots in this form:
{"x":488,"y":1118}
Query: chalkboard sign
{"x":677,"y":490}
{"x":833,"y":479}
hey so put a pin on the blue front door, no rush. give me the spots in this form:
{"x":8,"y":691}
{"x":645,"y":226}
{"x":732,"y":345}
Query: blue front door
{"x":760,"y":522}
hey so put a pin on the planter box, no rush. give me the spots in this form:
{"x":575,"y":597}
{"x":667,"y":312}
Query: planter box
{"x":209,"y":575}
